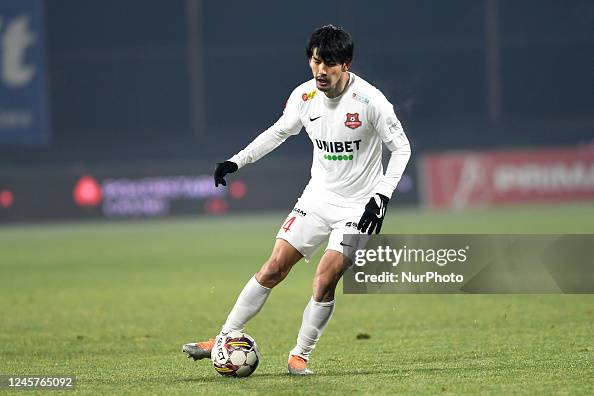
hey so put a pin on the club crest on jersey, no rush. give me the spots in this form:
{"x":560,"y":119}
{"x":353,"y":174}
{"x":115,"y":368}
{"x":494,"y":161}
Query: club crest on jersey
{"x":352,"y":120}
{"x":308,"y":96}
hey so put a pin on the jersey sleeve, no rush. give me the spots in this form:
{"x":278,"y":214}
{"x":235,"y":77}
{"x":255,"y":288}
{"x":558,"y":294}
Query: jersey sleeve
{"x":392,"y":134}
{"x":287,"y":125}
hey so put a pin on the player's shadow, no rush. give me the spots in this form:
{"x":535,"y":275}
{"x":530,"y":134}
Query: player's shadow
{"x":395,"y":371}
{"x":215,"y":378}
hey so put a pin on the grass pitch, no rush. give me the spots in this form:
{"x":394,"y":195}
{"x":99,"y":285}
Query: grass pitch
{"x":112,"y":303}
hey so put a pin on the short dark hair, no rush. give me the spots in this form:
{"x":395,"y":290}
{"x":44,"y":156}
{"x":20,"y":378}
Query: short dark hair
{"x":334,"y":44}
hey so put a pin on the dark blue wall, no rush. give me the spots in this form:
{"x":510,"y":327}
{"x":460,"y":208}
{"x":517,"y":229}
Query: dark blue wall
{"x":119,"y":78}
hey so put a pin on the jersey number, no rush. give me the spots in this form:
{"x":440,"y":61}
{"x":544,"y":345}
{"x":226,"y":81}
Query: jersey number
{"x":288,"y":223}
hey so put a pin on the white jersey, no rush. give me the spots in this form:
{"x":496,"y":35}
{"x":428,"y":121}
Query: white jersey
{"x":347,"y":134}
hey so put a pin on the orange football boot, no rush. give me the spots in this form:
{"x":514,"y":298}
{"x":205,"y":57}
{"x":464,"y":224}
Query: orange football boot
{"x":199,"y":350}
{"x":298,"y":366}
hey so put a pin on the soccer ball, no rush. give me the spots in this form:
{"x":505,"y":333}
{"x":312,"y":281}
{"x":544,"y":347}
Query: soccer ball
{"x":235,"y":354}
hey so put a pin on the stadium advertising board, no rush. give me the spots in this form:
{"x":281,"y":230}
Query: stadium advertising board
{"x":469,"y":179}
{"x":104,"y":193}
{"x":23,"y":90}
{"x":156,"y":190}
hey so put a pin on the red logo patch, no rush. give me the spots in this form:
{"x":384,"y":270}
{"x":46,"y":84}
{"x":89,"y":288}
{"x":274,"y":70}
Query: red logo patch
{"x":308,"y":96}
{"x":352,"y":120}
{"x":87,"y":192}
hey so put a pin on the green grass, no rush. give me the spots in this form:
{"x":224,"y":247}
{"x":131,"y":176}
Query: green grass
{"x":111,"y":302}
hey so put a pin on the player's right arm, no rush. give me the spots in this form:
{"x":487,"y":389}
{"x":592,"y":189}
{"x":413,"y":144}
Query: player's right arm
{"x":288,"y":124}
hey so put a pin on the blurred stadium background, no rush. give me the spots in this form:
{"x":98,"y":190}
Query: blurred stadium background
{"x":118,"y":110}
{"x":112,"y":109}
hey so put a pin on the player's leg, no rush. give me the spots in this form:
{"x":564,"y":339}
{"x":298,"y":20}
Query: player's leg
{"x":299,"y":236}
{"x":253,"y":296}
{"x":283,"y":257}
{"x":319,"y":310}
{"x":344,"y":241}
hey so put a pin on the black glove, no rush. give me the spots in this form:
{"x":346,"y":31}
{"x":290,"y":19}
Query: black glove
{"x":373,"y":217}
{"x":221,"y":170}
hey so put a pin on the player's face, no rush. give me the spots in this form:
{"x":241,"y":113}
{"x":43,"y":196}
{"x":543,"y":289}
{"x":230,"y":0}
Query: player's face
{"x":330,"y":77}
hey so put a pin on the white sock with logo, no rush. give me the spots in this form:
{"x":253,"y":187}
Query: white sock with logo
{"x":315,"y":319}
{"x":248,"y":304}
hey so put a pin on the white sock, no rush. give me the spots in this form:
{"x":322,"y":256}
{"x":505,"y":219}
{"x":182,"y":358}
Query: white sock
{"x":248,"y":304}
{"x":315,"y":319}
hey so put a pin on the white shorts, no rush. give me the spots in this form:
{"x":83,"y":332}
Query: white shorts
{"x":311,"y":222}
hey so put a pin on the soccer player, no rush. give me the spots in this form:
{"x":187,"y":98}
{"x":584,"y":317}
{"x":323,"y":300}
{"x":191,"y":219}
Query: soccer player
{"x":347,"y":119}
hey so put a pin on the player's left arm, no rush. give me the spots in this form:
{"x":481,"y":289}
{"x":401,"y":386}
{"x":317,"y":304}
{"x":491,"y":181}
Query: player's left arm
{"x":392,"y":134}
